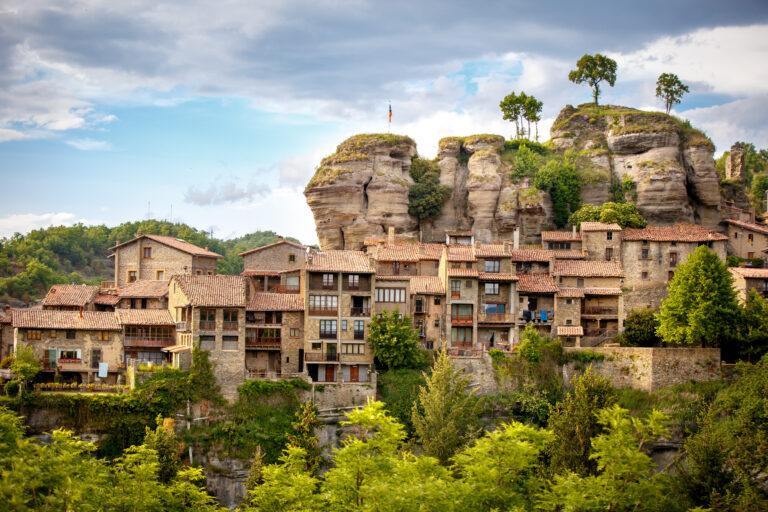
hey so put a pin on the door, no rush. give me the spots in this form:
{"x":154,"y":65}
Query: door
{"x":301,"y":360}
{"x":354,"y":373}
{"x":95,"y":357}
{"x":330,"y":373}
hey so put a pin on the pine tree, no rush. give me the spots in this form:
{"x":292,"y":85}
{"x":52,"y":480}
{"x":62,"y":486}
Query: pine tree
{"x":303,"y":436}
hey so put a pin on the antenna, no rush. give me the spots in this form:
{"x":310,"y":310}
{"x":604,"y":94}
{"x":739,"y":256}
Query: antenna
{"x":148,"y":214}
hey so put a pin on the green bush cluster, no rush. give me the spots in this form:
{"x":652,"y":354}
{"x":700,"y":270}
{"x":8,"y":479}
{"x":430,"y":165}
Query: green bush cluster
{"x":426,"y":196}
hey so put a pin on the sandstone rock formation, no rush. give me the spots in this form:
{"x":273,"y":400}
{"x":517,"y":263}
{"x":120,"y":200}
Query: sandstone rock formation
{"x":661,"y":164}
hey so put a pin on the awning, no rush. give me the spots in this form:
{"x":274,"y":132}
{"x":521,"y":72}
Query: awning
{"x":176,"y":348}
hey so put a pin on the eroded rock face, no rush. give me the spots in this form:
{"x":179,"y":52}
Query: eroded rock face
{"x":665,"y":168}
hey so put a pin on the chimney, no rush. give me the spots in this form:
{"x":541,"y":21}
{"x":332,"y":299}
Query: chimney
{"x":280,"y":238}
{"x":507,"y":246}
{"x":516,"y":238}
{"x":81,"y":312}
{"x":574,"y":231}
{"x":206,"y":247}
{"x":139,"y":233}
{"x":117,"y":241}
{"x":391,"y":236}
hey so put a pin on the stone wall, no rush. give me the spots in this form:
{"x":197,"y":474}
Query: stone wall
{"x":740,"y":245}
{"x":291,"y":345}
{"x":335,"y":395}
{"x":482,"y":375}
{"x":595,"y":243}
{"x":649,"y":369}
{"x":275,"y":258}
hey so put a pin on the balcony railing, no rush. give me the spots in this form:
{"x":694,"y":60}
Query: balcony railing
{"x":419,"y":308}
{"x":496,"y":318}
{"x":353,"y":287}
{"x":536,"y":316}
{"x":599,"y":310}
{"x":320,"y":357}
{"x":230,"y":326}
{"x":147,"y":341}
{"x":324,"y":311}
{"x":455,"y":295}
{"x":361,"y":312}
{"x":181,"y":326}
{"x":206,"y":325}
{"x":602,"y":333}
{"x":331,"y":286}
{"x":359,"y":335}
{"x":461,"y":319}
{"x":262,"y":342}
{"x":328,"y":335}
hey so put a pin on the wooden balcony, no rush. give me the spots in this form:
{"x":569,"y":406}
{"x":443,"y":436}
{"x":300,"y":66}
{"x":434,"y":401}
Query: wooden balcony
{"x":71,"y":365}
{"x":599,"y":311}
{"x":495,"y":318}
{"x":360,"y":312}
{"x":461,"y":319}
{"x":359,"y":335}
{"x":146,"y":341}
{"x":206,"y":325}
{"x":320,"y":357}
{"x":230,"y":326}
{"x":328,"y":335}
{"x":330,"y":286}
{"x":286,"y":288}
{"x":262,"y":343}
{"x":419,"y":308}
{"x":324,"y":311}
{"x":182,"y":327}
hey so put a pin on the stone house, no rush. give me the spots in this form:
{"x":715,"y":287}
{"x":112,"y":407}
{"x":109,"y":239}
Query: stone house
{"x":146,"y":332}
{"x":80,"y":345}
{"x":275,"y":268}
{"x":70,"y":297}
{"x":6,"y":333}
{"x":567,"y":324}
{"x":427,"y":309}
{"x":747,"y":239}
{"x":408,"y":259}
{"x":536,"y":302}
{"x":651,"y":255}
{"x":274,"y":335}
{"x":539,"y":261}
{"x":338,"y":302}
{"x":497,"y":296}
{"x":460,"y":275}
{"x":144,"y":295}
{"x":746,"y":279}
{"x":209,"y":312}
{"x":157,"y":258}
{"x":601,"y":241}
{"x":561,"y":240}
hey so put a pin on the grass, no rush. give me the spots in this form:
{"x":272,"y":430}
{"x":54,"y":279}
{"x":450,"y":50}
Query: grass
{"x":326,"y":176}
{"x":364,"y":141}
{"x":343,"y":157}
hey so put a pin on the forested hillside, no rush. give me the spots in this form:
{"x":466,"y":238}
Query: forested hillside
{"x":31,"y":263}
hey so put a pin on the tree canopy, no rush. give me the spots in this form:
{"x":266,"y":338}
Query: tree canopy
{"x":593,"y":69}
{"x":426,"y":196}
{"x":394,"y":342}
{"x":521,"y":107}
{"x":670,"y":89}
{"x":625,"y":215}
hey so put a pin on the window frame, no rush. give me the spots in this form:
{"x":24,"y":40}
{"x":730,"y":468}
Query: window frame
{"x":494,"y":288}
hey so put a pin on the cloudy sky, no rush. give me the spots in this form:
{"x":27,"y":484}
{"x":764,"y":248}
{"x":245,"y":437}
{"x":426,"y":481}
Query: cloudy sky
{"x":217,"y":113}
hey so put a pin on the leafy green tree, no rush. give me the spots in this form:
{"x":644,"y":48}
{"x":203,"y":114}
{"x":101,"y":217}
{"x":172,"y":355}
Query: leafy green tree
{"x":593,"y":69}
{"x":303,"y":436}
{"x":512,"y":109}
{"x":445,"y":415}
{"x":753,"y":337}
{"x":25,"y":365}
{"x":532,"y":112}
{"x":574,"y":423}
{"x":670,"y":89}
{"x":168,"y":448}
{"x":562,"y":182}
{"x":426,"y":196}
{"x":526,"y":163}
{"x":640,"y":329}
{"x":625,"y":215}
{"x":395,"y":344}
{"x":701,"y":307}
{"x":759,"y":189}
{"x":624,"y":479}
{"x":286,"y":486}
{"x":256,"y":472}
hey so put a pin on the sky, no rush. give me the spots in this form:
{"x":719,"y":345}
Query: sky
{"x":217,"y":113}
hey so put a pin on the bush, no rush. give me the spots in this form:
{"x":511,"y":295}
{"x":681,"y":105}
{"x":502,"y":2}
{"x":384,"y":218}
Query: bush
{"x":6,"y":362}
{"x":12,"y":387}
{"x":640,"y":329}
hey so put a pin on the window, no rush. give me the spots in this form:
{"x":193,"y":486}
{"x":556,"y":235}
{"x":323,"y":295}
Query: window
{"x":455,"y":288}
{"x":750,"y":238}
{"x":461,"y":335}
{"x":295,"y":332}
{"x":52,"y":334}
{"x":210,"y":273}
{"x":437,"y":301}
{"x":390,"y":294}
{"x":736,"y":234}
{"x":469,"y":264}
{"x":580,"y":282}
{"x":674,"y":244}
{"x":199,"y":272}
{"x":437,"y":322}
{"x":569,"y":301}
{"x":670,"y":275}
{"x":103,"y":335}
{"x":317,"y":346}
{"x":418,"y":325}
{"x":608,"y":253}
{"x":673,"y":259}
{"x":492,"y":265}
{"x":359,"y":330}
{"x":230,"y":315}
{"x":147,"y":252}
{"x":229,"y":342}
{"x":353,"y":348}
{"x":160,"y":275}
{"x":323,"y":302}
{"x":461,"y":312}
{"x":395,"y":267}
{"x":609,"y":235}
{"x":343,"y":325}
{"x":568,"y":321}
{"x":750,"y":255}
{"x":131,"y":276}
{"x":71,"y":335}
{"x":645,"y":242}
{"x":95,"y":357}
{"x":495,"y":309}
{"x":207,"y":341}
{"x":455,"y":265}
{"x":559,"y":245}
{"x":353,"y":281}
{"x":328,"y":281}
{"x":644,"y":254}
{"x":328,"y":328}
{"x":34,"y":335}
{"x":644,"y":276}
{"x":291,"y":258}
{"x":208,"y":319}
{"x":491,"y":288}
{"x":69,"y":354}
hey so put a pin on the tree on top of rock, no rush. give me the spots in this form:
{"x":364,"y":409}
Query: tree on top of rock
{"x":670,"y":89}
{"x":625,"y":215}
{"x":519,"y":107}
{"x":594,"y":69}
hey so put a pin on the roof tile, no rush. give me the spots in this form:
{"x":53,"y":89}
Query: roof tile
{"x":461,"y":253}
{"x":427,"y":285}
{"x":677,"y":233}
{"x":70,"y":295}
{"x":276,"y":302}
{"x":560,"y":236}
{"x":580,"y":268}
{"x":599,"y":226}
{"x":46,"y":319}
{"x":340,"y":261}
{"x":760,"y":228}
{"x":279,"y":242}
{"x":144,"y":317}
{"x":144,"y":289}
{"x":176,"y":243}
{"x":463,"y":272}
{"x":214,"y":291}
{"x":496,"y":276}
{"x":536,"y":283}
{"x":750,"y":273}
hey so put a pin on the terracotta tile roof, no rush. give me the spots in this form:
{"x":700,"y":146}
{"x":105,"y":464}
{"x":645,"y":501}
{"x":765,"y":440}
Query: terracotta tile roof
{"x":532,"y":254}
{"x":392,"y":278}
{"x":496,"y":276}
{"x":379,"y":239}
{"x":144,"y":289}
{"x":288,"y":271}
{"x":602,"y":291}
{"x":578,"y":268}
{"x":570,"y":293}
{"x":462,"y":272}
{"x":144,"y":317}
{"x":760,"y":228}
{"x":599,"y":226}
{"x":427,"y":285}
{"x":175,"y":243}
{"x":70,"y":295}
{"x":5,"y":318}
{"x":340,"y":261}
{"x":458,"y":232}
{"x":396,"y":252}
{"x":213,"y":291}
{"x":45,"y":319}
{"x":492,"y":250}
{"x":569,"y":330}
{"x":106,"y":299}
{"x":560,"y":236}
{"x":677,"y":233}
{"x":568,"y":255}
{"x":271,"y":273}
{"x":536,"y":283}
{"x":279,"y":242}
{"x":276,"y":302}
{"x":461,"y":253}
{"x":431,"y":251}
{"x":750,"y":273}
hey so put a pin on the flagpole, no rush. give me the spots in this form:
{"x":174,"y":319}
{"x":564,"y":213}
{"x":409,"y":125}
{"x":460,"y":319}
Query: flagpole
{"x":389,"y":124}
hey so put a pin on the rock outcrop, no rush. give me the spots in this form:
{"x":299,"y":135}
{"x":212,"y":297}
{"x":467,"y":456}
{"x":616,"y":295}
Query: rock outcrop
{"x":662,"y":164}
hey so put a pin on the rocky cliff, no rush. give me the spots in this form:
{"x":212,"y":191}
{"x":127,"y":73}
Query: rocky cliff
{"x":662,"y":164}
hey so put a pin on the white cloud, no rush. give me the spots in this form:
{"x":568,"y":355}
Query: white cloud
{"x":86,"y":144}
{"x":222,"y":192}
{"x":26,"y":222}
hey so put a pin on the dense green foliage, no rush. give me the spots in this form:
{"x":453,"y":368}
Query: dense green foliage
{"x":701,"y":308}
{"x":426,"y":195}
{"x":303,"y":436}
{"x":399,"y":389}
{"x":640,"y":329}
{"x":394,"y":342}
{"x":563,"y":183}
{"x":755,"y":173}
{"x":753,"y":328}
{"x":31,"y":263}
{"x":25,"y":365}
{"x":670,"y":89}
{"x":593,"y":69}
{"x":519,"y":107}
{"x":625,"y":215}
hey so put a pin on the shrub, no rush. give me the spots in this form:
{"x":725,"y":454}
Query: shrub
{"x":12,"y":387}
{"x":6,"y":362}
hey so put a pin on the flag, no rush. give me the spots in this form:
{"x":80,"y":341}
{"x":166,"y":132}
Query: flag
{"x":390,"y":112}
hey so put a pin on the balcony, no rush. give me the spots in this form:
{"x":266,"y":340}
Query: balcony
{"x":331,"y":286}
{"x":600,"y":333}
{"x":455,"y":295}
{"x":207,"y":325}
{"x":359,"y":335}
{"x":181,"y":327}
{"x":286,"y":288}
{"x":599,"y":310}
{"x":419,"y":308}
{"x":230,"y":326}
{"x":319,"y":357}
{"x":495,"y":318}
{"x":542,"y":317}
{"x":360,"y":312}
{"x":148,"y":341}
{"x":328,"y":335}
{"x":461,"y":319}
{"x":71,"y":365}
{"x":263,"y":343}
{"x":324,"y":311}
